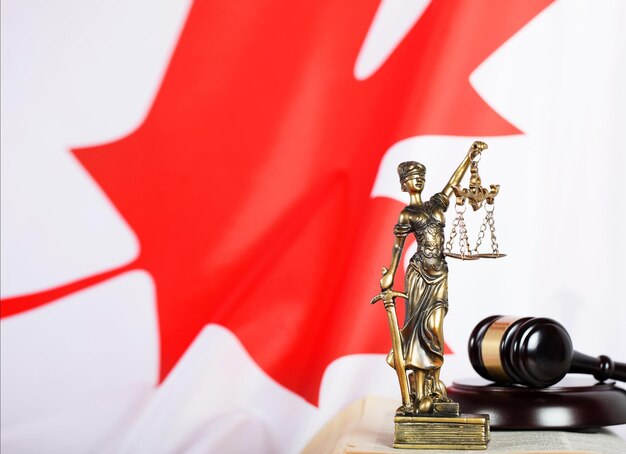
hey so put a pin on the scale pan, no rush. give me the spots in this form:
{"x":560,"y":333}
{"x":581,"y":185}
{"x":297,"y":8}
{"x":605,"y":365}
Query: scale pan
{"x":454,"y":255}
{"x":491,"y":256}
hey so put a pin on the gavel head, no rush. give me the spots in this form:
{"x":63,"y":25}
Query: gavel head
{"x":535,"y":352}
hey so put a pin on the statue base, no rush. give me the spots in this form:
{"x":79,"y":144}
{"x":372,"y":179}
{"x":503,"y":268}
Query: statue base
{"x":429,"y":431}
{"x":441,"y":428}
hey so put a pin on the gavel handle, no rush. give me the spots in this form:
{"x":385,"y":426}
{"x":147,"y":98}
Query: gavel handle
{"x":601,"y":367}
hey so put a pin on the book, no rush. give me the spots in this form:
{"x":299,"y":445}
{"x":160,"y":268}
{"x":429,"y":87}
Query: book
{"x":366,"y":427}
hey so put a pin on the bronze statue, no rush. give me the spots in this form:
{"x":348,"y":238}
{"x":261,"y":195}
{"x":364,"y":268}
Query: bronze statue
{"x":417,"y":348}
{"x":426,"y":280}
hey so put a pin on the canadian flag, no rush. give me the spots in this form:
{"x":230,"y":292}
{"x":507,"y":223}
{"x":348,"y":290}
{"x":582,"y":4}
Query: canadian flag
{"x":197,"y":199}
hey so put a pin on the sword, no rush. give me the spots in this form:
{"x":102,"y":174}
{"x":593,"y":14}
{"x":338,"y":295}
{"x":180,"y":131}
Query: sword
{"x":388,"y":298}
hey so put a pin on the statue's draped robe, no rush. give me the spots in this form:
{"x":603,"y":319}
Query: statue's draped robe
{"x":426,"y":285}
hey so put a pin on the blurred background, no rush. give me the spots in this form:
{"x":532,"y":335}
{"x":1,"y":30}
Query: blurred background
{"x":198,"y":197}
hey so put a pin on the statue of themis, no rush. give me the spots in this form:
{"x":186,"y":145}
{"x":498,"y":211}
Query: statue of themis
{"x":417,"y":353}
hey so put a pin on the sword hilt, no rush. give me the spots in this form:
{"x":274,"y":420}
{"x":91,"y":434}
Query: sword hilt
{"x":388,"y":296}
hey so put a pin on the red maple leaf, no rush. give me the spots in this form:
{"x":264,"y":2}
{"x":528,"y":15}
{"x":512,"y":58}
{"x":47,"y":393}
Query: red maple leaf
{"x":248,"y":184}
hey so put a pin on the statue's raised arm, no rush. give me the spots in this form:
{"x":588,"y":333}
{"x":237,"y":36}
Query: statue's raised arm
{"x":476,"y":148}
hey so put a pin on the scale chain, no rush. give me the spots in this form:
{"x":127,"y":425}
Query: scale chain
{"x":492,"y":228}
{"x":463,"y":239}
{"x":481,"y":233}
{"x":453,"y":232}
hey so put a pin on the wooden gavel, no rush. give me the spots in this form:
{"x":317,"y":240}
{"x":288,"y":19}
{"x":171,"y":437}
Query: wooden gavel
{"x":535,"y":352}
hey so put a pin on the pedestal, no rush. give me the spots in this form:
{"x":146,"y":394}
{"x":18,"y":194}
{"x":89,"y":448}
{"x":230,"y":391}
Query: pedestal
{"x":441,"y":432}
